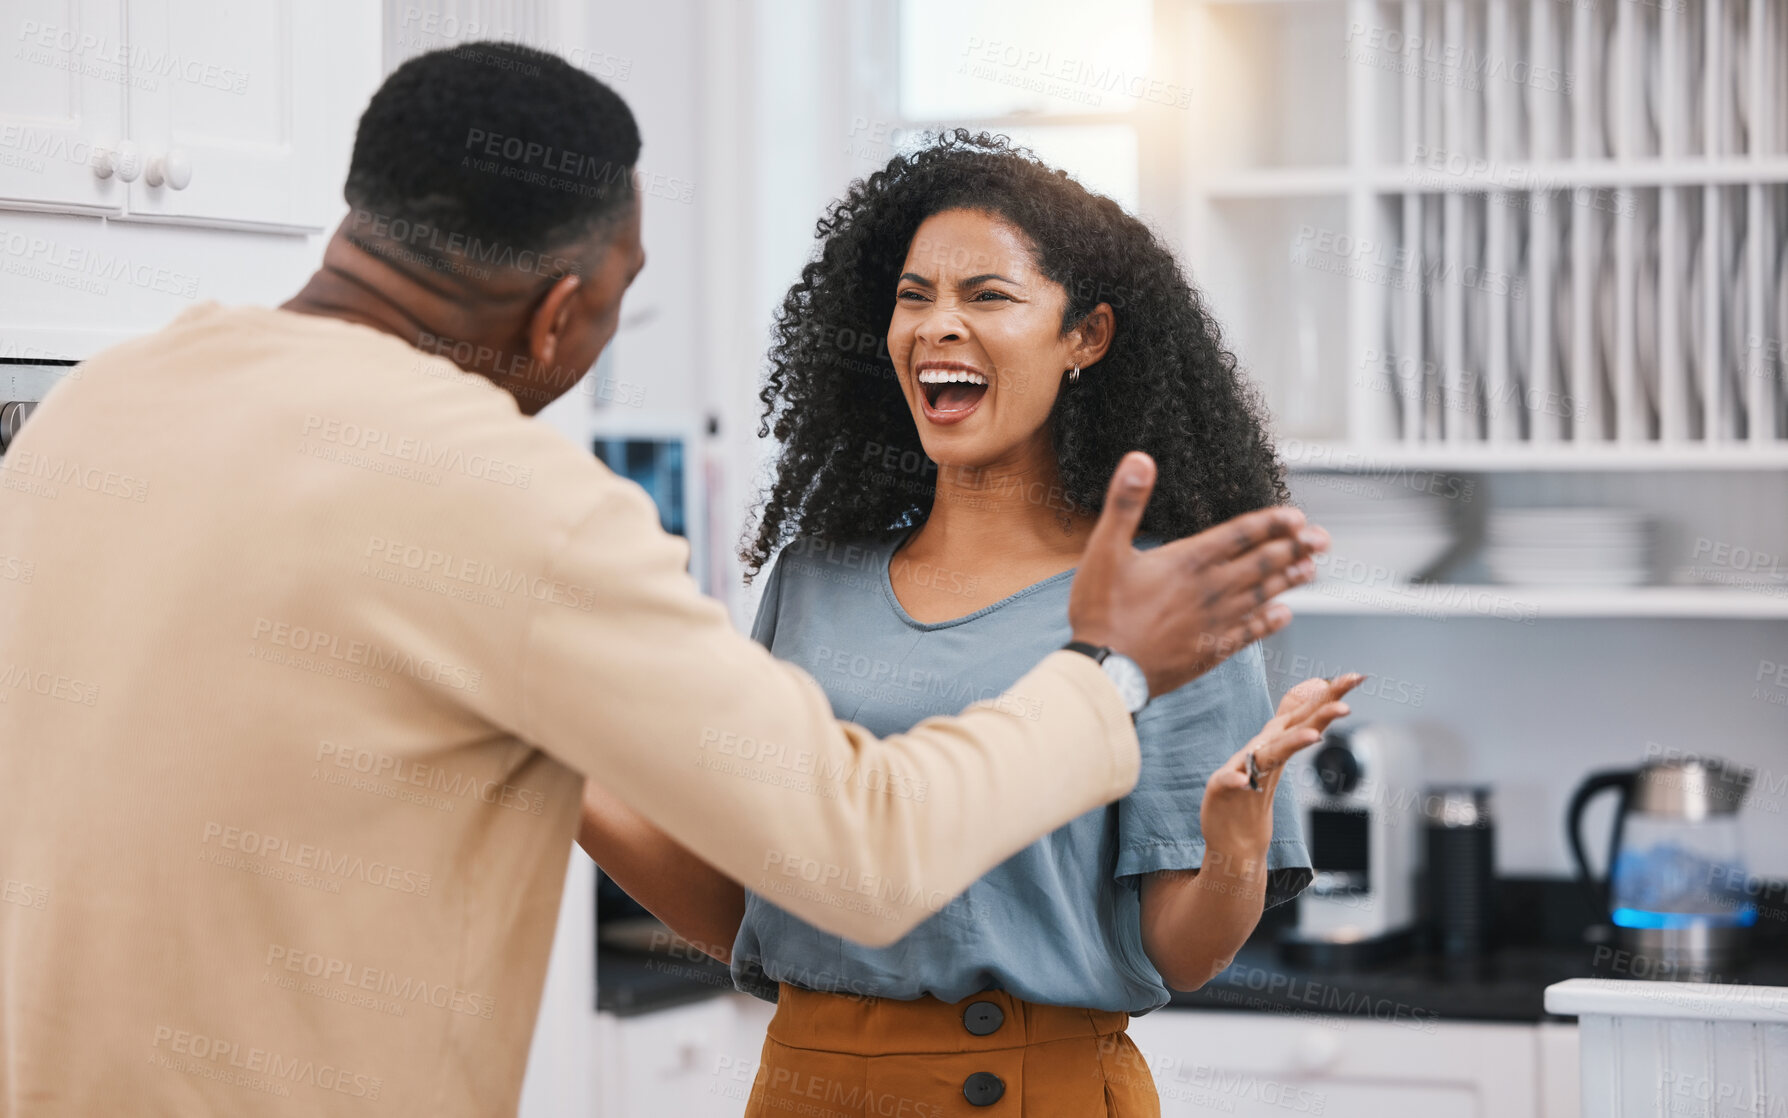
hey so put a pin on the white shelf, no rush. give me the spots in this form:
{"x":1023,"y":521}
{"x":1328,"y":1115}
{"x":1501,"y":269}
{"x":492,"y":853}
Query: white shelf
{"x":1530,"y":603}
{"x":1489,"y":176}
{"x":1490,"y":457}
{"x":1279,"y":182}
{"x":1504,"y":175}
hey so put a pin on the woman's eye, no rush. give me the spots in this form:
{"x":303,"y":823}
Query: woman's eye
{"x":988,"y":296}
{"x":910,"y":295}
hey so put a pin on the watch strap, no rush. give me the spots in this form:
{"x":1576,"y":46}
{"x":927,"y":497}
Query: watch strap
{"x":1097,"y":651}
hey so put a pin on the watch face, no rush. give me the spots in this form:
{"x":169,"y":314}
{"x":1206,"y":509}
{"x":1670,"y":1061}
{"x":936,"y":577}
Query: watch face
{"x":1131,"y":683}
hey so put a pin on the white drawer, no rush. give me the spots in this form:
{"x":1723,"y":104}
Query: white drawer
{"x":1219,"y":1062}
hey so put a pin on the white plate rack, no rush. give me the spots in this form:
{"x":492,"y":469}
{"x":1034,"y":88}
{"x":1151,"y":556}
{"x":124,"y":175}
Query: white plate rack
{"x":1523,"y":256}
{"x":1533,"y":246}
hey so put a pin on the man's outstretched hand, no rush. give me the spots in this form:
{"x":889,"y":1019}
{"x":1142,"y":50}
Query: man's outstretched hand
{"x":1181,"y":609}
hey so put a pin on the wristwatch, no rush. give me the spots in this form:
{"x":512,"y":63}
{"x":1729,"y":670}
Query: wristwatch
{"x":1124,"y":673}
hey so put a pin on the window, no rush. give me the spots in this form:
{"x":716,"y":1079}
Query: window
{"x":1068,"y":79}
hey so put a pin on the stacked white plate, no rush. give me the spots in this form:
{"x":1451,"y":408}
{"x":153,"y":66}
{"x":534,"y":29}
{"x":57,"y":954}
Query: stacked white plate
{"x":1385,"y":532}
{"x":1568,"y":547}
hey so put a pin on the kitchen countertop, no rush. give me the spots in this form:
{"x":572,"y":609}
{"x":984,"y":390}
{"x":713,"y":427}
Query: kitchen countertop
{"x":1542,"y":928}
{"x":1509,"y":985}
{"x":1545,"y":935}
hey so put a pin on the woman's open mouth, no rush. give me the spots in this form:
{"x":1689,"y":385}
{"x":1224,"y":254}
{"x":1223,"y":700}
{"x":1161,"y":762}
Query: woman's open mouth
{"x":950,"y":390}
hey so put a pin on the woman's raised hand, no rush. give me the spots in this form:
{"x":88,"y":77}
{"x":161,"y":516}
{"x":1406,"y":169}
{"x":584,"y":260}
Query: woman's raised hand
{"x":1237,"y":816}
{"x":1181,"y":609}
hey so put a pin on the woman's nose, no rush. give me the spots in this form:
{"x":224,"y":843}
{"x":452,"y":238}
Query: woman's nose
{"x":943,"y":324}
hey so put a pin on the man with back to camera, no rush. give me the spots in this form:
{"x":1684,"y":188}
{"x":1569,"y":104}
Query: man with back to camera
{"x":311,"y":677}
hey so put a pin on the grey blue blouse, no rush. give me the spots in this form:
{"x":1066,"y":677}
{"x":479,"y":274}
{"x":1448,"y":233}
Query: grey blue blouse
{"x":1059,"y":922}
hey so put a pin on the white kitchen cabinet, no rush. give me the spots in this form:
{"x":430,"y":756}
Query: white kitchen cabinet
{"x":699,"y":1061}
{"x":1662,"y":1049}
{"x":1208,"y":1062}
{"x":694,"y":1061}
{"x":232,"y":122}
{"x":202,"y":112}
{"x":1560,"y":1078}
{"x":60,"y":106}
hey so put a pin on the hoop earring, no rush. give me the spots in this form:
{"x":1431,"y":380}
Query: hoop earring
{"x":1074,"y":374}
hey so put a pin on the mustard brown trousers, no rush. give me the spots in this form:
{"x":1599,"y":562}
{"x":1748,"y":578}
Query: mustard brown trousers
{"x":991,"y":1054}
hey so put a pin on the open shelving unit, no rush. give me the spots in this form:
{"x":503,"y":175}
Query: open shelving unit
{"x":1505,"y":238}
{"x":1532,"y":603}
{"x":1300,"y":455}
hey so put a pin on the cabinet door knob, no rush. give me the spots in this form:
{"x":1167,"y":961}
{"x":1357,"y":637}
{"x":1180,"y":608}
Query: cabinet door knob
{"x":122,"y":160}
{"x":1316,"y":1050}
{"x":174,"y":169}
{"x":104,"y":162}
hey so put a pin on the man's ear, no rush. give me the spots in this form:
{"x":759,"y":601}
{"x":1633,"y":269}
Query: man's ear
{"x":1094,"y":334}
{"x":551,"y":318}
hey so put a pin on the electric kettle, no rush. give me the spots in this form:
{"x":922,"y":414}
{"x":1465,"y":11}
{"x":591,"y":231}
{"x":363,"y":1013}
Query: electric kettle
{"x":1676,"y":889}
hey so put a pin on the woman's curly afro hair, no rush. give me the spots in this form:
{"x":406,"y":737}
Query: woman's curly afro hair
{"x":851,"y":466}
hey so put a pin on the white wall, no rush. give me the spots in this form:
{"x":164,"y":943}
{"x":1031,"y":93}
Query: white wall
{"x":563,"y":1076}
{"x":660,"y":343}
{"x":778,"y":114}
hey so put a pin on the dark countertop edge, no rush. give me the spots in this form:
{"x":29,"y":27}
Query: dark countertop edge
{"x":632,"y":985}
{"x":1416,"y":1002}
{"x":1541,"y":917}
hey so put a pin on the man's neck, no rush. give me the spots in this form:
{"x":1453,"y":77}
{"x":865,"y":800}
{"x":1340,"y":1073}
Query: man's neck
{"x":336,"y":293}
{"x":358,"y":286}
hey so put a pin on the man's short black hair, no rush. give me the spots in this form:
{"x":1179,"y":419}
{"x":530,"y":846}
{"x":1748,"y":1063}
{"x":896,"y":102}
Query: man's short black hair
{"x":489,"y":148}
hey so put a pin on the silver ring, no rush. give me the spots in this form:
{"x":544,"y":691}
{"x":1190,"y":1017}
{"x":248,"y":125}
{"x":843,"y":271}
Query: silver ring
{"x":1254,"y":772}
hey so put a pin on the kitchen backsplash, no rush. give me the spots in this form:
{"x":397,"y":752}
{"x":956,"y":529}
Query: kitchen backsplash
{"x":1532,"y":706}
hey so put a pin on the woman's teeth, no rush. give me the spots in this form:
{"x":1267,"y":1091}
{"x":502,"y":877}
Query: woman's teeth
{"x":952,"y":390}
{"x":951,"y":376}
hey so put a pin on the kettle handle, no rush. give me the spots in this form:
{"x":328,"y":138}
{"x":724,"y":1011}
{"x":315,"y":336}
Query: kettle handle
{"x":1594,"y":892}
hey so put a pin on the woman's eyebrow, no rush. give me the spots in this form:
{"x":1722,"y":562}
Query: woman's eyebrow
{"x":969,"y":282}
